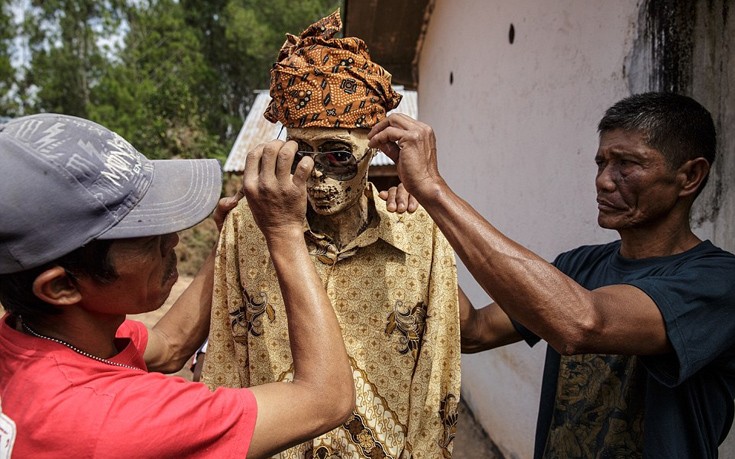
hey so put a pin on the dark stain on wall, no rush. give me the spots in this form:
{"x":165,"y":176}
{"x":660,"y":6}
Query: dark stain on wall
{"x":670,"y":29}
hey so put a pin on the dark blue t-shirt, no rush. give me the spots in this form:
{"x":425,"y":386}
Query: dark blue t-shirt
{"x":674,"y":405}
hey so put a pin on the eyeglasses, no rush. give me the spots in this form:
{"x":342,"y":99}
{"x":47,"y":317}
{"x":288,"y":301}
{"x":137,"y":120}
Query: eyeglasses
{"x":339,"y":165}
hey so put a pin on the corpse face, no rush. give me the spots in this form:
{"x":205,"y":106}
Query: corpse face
{"x":337,"y":180}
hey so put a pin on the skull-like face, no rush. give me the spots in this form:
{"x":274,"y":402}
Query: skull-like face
{"x":342,"y":158}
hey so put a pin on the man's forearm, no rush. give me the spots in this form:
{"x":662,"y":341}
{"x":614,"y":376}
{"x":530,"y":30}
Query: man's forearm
{"x":185,"y":326}
{"x":485,"y":328}
{"x":316,"y":340}
{"x":524,"y":285}
{"x":321,"y":395}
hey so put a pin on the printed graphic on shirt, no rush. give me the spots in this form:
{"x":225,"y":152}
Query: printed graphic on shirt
{"x":7,"y":434}
{"x":410,"y":322}
{"x":247,"y":318}
{"x":449,"y":415}
{"x":599,"y":408}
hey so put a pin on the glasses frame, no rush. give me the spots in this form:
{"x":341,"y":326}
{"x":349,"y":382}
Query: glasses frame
{"x":325,"y":167}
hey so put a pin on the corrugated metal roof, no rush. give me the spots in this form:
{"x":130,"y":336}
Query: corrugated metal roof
{"x":256,"y":129}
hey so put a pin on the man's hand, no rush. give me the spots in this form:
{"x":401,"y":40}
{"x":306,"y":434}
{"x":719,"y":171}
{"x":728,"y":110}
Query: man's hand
{"x":276,"y":198}
{"x":397,"y":199}
{"x":412,"y":146}
{"x":224,"y":206}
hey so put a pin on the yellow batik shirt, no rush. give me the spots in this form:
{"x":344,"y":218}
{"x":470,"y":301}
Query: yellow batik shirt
{"x":394,"y":291}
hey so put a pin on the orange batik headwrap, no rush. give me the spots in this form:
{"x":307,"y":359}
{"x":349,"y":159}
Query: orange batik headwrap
{"x":321,"y":81}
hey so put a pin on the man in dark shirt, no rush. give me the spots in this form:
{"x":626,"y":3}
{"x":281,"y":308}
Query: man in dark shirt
{"x":641,"y":357}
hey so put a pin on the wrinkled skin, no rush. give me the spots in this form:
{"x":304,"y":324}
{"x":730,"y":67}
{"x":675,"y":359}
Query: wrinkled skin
{"x":636,"y":187}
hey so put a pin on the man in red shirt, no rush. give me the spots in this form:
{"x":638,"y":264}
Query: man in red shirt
{"x":87,"y":236}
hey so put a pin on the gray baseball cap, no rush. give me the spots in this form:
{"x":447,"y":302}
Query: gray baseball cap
{"x":65,"y":181}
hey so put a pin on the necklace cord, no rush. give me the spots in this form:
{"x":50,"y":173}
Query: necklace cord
{"x":73,"y":348}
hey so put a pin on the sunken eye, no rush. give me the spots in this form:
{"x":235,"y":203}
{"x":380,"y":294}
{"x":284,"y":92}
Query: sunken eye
{"x":338,"y":157}
{"x":335,"y":146}
{"x":303,"y":146}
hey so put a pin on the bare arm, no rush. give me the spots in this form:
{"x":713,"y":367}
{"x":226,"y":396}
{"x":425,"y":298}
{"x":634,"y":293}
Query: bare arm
{"x":485,"y":328}
{"x":614,"y":319}
{"x":321,"y":395}
{"x":179,"y":333}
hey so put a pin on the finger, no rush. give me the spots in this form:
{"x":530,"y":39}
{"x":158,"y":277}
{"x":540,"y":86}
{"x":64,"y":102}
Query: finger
{"x":391,"y":150}
{"x":388,"y":141}
{"x":413,"y":204}
{"x":224,"y":206}
{"x":403,"y":121}
{"x":390,"y":202}
{"x":303,"y":171}
{"x":382,"y":124}
{"x":285,"y":160}
{"x":401,"y":198}
{"x":383,"y":195}
{"x":270,"y":156}
{"x":228,"y":203}
{"x":252,"y":166}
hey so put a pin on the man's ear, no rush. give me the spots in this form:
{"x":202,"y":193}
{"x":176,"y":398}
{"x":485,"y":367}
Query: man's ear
{"x":692,"y":173}
{"x":54,"y":286}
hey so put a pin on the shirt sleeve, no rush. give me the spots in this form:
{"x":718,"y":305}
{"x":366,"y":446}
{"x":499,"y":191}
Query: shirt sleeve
{"x":136,"y":331}
{"x":222,"y":365}
{"x":697,"y":305}
{"x":435,"y":387}
{"x":162,"y":416}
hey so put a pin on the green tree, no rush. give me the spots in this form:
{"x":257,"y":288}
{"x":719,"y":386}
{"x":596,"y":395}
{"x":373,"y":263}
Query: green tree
{"x":153,"y":94}
{"x":240,"y":40}
{"x":256,"y":31}
{"x":70,"y":48}
{"x":175,"y":77}
{"x":206,"y":19}
{"x":8,"y":83}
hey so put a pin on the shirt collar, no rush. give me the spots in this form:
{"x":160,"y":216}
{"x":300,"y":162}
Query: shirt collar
{"x":384,"y":225}
{"x":390,"y":227}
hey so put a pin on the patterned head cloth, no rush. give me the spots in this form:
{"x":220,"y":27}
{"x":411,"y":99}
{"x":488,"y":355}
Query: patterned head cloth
{"x":321,"y":81}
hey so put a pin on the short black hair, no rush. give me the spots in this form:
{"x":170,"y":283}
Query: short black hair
{"x":91,"y":260}
{"x":676,"y":125}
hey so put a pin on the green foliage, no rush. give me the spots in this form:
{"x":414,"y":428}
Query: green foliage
{"x":176,"y":78}
{"x":8,"y":81}
{"x":68,"y":56}
{"x":152,"y":95}
{"x":255,"y":31}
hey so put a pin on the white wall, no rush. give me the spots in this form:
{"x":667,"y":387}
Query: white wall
{"x":516,"y":134}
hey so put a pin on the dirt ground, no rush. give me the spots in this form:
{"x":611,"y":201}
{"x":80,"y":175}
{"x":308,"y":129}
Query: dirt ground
{"x":471,"y":441}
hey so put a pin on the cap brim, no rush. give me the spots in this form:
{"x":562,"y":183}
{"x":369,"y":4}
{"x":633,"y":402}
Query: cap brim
{"x":183,"y":192}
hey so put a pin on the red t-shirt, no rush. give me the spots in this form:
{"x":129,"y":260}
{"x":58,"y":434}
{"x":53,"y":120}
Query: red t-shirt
{"x":67,"y":405}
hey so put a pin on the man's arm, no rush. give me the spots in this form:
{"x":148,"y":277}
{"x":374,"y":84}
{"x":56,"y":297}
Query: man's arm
{"x":484,"y":328}
{"x":614,"y":319}
{"x":322,"y":393}
{"x":180,"y":332}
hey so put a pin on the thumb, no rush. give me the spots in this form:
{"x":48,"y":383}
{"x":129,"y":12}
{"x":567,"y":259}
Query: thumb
{"x":224,"y":206}
{"x":302,"y":172}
